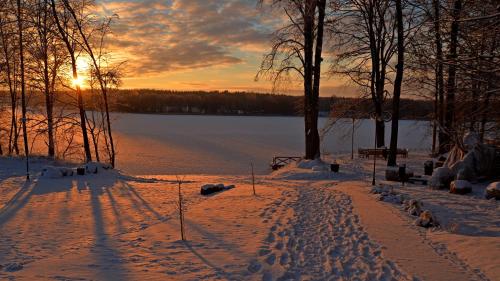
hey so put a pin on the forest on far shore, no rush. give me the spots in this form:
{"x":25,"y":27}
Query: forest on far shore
{"x":227,"y":103}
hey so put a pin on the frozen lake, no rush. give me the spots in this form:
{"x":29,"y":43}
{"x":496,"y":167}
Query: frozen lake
{"x":196,"y":144}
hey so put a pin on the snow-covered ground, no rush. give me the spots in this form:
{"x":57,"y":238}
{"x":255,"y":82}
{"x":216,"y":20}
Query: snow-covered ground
{"x":302,"y":225}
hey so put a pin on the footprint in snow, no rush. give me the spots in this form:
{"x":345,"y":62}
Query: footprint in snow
{"x":254,"y":266}
{"x":271,"y":259}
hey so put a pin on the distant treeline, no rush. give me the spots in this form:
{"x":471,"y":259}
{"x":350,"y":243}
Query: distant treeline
{"x":245,"y":103}
{"x":230,"y":103}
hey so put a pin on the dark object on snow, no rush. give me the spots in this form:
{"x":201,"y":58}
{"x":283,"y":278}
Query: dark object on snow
{"x":80,"y":171}
{"x":428,"y":168}
{"x":281,"y":161}
{"x":208,"y":189}
{"x":402,"y":174}
{"x":334,"y":167}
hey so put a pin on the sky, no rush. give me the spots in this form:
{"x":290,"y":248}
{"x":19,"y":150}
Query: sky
{"x":195,"y":44}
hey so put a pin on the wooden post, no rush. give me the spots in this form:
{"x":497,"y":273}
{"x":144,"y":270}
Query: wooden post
{"x":181,"y":209}
{"x":253,"y":180}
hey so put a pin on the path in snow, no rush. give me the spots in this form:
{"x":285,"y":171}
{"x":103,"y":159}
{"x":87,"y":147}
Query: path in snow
{"x":108,"y":227}
{"x":324,"y":240}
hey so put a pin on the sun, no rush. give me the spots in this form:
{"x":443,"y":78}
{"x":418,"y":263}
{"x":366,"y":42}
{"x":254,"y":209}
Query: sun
{"x":78,"y":82}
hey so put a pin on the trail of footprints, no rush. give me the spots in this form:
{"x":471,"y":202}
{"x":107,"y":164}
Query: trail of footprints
{"x":323,"y":241}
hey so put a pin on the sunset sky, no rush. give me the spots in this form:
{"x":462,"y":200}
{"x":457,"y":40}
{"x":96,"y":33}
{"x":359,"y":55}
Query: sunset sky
{"x":195,"y":44}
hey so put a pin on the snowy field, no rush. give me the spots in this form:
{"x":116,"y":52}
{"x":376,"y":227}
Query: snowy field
{"x":184,"y":144}
{"x":302,"y":225}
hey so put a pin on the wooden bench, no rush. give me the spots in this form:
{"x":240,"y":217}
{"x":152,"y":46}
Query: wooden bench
{"x":380,"y":152}
{"x":281,"y":161}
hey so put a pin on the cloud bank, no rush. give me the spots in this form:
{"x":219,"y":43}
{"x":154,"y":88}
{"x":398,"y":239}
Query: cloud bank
{"x":159,"y":36}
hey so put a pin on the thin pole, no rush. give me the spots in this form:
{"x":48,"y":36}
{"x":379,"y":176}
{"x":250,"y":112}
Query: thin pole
{"x":375,"y":154}
{"x":352,"y":140}
{"x":181,"y":215}
{"x":253,"y":180}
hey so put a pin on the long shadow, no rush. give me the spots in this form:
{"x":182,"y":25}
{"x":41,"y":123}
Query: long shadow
{"x":16,"y":203}
{"x":114,"y":207}
{"x":135,"y":197}
{"x":229,"y":247}
{"x":219,"y":270}
{"x":107,"y":259}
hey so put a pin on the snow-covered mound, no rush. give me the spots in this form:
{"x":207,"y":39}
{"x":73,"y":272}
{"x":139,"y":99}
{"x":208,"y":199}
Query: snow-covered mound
{"x":315,"y":169}
{"x":51,"y":172}
{"x":96,"y":167}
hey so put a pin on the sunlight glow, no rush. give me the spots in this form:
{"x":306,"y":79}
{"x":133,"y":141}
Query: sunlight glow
{"x":78,"y":82}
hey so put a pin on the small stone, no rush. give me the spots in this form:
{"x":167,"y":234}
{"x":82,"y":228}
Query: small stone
{"x":13,"y":267}
{"x":493,"y":191}
{"x":426,"y":219}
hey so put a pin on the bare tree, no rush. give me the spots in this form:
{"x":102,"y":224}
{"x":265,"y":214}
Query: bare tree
{"x":391,"y":160}
{"x":297,"y":52}
{"x":9,"y":48}
{"x":365,"y":46}
{"x":97,"y":68}
{"x":20,"y":19}
{"x":70,"y":46}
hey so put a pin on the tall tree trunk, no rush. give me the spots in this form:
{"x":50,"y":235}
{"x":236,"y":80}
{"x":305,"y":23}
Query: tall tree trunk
{"x":315,"y":139}
{"x":49,"y":105}
{"x":81,"y":108}
{"x":439,"y":77}
{"x":436,"y":115}
{"x":391,"y":161}
{"x":309,"y":16}
{"x":485,"y":108}
{"x":23,"y":85}
{"x":377,"y":79}
{"x":452,"y":71}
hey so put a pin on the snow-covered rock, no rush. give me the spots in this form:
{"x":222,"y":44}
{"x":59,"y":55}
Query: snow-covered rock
{"x":51,"y":172}
{"x":413,"y":207}
{"x":387,"y":194}
{"x":441,"y":178}
{"x":95,"y":167}
{"x":426,"y":219}
{"x":212,"y":188}
{"x":460,"y":187}
{"x":493,"y":191}
{"x":67,"y":172}
{"x":476,"y":161}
